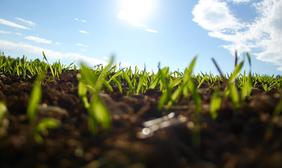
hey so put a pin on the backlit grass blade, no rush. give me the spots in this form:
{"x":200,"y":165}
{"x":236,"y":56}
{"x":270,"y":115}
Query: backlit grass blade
{"x":163,"y":100}
{"x":233,"y":94}
{"x":43,"y":126}
{"x":127,"y":79}
{"x":82,"y":92}
{"x":236,"y":72}
{"x":217,"y":67}
{"x":236,"y":58}
{"x":249,"y":59}
{"x":215,"y":104}
{"x":3,"y":111}
{"x":35,"y":97}
{"x":246,"y":88}
{"x":101,"y":113}
{"x":50,"y":66}
{"x":119,"y":85}
{"x":87,"y":75}
{"x":192,"y":65}
{"x":93,"y":82}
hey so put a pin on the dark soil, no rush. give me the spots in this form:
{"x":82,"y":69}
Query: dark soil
{"x":238,"y":138}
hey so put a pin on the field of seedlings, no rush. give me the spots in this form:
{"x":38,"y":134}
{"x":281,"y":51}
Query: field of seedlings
{"x":55,"y":115}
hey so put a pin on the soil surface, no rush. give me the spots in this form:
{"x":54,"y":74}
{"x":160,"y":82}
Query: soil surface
{"x":141,"y":135}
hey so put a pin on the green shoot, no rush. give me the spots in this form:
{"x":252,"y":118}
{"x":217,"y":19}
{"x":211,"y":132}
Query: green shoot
{"x":128,"y":80}
{"x":218,"y":68}
{"x":82,"y":92}
{"x":93,"y":82}
{"x":3,"y":111}
{"x":50,"y":66}
{"x":249,"y":60}
{"x":232,"y":91}
{"x":164,"y":87}
{"x":35,"y":98}
{"x":42,"y":128}
{"x":215,"y":104}
{"x":246,"y":86}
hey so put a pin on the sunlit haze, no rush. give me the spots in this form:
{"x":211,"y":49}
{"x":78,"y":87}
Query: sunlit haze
{"x":135,"y":11}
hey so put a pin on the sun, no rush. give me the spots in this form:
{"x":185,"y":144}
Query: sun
{"x":135,"y":12}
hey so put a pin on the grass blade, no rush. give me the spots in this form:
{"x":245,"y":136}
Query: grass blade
{"x":35,"y":97}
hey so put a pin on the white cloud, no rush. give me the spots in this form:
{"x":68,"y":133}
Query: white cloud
{"x":58,"y":43}
{"x":12,"y":24}
{"x":80,"y":20}
{"x":151,"y":30}
{"x":18,"y":34}
{"x":10,"y":33}
{"x":83,"y":32}
{"x":81,"y":45}
{"x":26,"y":22}
{"x":51,"y":54}
{"x":262,"y":36}
{"x":38,"y":39}
{"x":214,"y":15}
{"x":5,"y":32}
{"x":240,"y":1}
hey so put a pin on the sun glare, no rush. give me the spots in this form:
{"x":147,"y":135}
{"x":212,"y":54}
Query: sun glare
{"x":135,"y":12}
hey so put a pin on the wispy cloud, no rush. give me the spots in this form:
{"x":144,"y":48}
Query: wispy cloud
{"x":18,"y":34}
{"x":80,"y":20}
{"x":240,"y":1}
{"x":262,"y":36}
{"x":38,"y":39}
{"x":12,"y":24}
{"x":26,"y":22}
{"x":58,"y":43}
{"x":51,"y":54}
{"x":10,"y":33}
{"x":5,"y":32}
{"x":81,"y":45}
{"x":151,"y":30}
{"x":83,"y":32}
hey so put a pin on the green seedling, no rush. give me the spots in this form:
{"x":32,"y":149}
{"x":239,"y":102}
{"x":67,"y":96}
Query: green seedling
{"x":3,"y":121}
{"x":3,"y":111}
{"x":215,"y":104}
{"x":35,"y":98}
{"x":232,"y":90}
{"x":218,"y":68}
{"x":92,"y":82}
{"x":246,"y":86}
{"x":116,"y":81}
{"x":41,"y":129}
{"x":164,"y":87}
{"x":248,"y":55}
{"x":128,"y":80}
{"x":186,"y":86}
{"x":44,"y":124}
{"x":82,"y":92}
{"x":50,"y":66}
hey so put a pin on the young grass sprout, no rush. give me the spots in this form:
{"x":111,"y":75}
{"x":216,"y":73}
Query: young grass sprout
{"x":3,"y":122}
{"x":35,"y":98}
{"x":41,"y":127}
{"x":93,"y":82}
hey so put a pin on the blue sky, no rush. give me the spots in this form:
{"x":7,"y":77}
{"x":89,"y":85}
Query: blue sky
{"x":142,"y":32}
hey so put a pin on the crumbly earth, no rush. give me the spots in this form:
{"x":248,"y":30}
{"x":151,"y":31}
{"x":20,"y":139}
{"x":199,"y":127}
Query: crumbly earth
{"x":239,"y":138}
